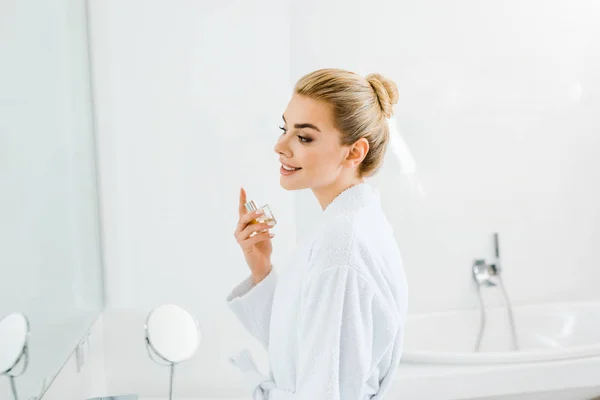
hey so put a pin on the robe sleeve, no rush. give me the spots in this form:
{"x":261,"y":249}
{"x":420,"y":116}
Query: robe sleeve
{"x":336,"y":336}
{"x":252,"y":305}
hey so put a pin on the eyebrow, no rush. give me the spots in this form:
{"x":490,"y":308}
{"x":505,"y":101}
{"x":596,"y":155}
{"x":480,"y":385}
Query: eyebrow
{"x":305,"y":125}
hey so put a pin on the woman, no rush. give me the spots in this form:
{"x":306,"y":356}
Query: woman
{"x":333,"y":321}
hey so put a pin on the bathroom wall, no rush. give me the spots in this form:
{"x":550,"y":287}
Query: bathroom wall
{"x":498,"y":106}
{"x":498,"y":109}
{"x":189,"y":96}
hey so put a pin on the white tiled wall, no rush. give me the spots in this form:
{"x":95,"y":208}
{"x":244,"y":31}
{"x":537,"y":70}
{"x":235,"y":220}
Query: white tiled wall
{"x":498,"y":107}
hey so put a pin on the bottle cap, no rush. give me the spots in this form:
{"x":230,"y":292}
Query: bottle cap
{"x":251,"y":206}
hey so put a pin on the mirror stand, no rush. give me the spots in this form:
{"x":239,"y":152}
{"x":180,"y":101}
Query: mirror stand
{"x":160,"y":360}
{"x":14,"y":358}
{"x":21,"y":363}
{"x":172,"y":336}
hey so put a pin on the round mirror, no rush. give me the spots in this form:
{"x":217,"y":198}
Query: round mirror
{"x":14,"y":333}
{"x":172,"y":333}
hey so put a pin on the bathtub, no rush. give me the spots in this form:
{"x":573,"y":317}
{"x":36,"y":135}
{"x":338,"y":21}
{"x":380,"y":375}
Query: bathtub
{"x":558,"y":357}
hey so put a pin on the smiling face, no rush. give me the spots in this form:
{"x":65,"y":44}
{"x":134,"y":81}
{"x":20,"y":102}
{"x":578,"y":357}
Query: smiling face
{"x":311,"y":152}
{"x":310,"y":145}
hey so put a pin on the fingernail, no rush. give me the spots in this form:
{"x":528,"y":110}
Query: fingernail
{"x":271,"y":234}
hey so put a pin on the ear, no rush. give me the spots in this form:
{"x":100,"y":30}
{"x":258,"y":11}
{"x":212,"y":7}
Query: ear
{"x":357,"y":152}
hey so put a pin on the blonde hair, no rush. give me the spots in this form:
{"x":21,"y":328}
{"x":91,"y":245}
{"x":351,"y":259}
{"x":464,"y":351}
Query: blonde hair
{"x":361,"y":107}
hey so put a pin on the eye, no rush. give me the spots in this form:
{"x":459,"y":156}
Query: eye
{"x":283,"y":129}
{"x":304,"y":139}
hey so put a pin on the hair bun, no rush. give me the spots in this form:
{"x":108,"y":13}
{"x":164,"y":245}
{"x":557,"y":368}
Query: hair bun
{"x":386,"y":91}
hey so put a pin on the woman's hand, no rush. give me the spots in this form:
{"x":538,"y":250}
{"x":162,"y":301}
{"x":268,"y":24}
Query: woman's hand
{"x":258,"y":248}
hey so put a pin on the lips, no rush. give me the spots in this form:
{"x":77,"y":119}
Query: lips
{"x":287,"y":169}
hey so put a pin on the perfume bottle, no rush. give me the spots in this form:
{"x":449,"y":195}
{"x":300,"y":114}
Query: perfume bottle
{"x":266,"y":217}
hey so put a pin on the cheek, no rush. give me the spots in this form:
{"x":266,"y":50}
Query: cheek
{"x":320,"y":159}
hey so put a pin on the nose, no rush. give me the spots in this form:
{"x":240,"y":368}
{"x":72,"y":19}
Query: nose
{"x":281,"y":147}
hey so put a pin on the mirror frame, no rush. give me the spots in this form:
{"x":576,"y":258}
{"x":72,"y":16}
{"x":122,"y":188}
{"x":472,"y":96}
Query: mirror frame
{"x":24,"y":350}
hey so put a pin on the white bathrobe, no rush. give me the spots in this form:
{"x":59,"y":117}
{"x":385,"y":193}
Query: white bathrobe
{"x":333,"y":320}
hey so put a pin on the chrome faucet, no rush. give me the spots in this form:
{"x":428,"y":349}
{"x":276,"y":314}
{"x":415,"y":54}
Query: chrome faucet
{"x":488,"y":274}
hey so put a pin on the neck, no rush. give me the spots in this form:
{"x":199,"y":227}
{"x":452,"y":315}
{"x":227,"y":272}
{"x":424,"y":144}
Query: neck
{"x":326,"y":194}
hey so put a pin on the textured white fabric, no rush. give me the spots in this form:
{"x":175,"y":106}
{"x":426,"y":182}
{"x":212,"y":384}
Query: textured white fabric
{"x":333,"y":322}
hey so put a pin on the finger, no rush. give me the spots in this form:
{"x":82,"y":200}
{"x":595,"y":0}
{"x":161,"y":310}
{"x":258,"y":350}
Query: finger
{"x":244,"y":230}
{"x":247,"y":218}
{"x":242,"y":208}
{"x":254,"y":228}
{"x":261,"y":237}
